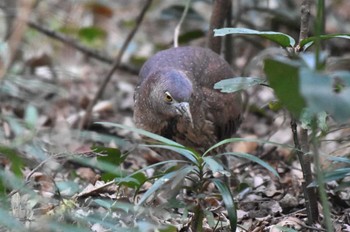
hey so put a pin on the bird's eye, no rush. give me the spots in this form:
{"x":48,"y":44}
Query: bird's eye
{"x":167,"y":97}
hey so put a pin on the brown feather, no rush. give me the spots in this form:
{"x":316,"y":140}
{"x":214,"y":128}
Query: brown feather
{"x":215,"y":115}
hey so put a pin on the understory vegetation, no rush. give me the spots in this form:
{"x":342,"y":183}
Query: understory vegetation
{"x":71,"y":158}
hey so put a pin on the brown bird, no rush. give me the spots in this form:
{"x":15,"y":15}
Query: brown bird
{"x":176,"y":98}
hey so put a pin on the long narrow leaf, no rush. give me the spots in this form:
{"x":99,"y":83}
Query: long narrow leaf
{"x":238,"y":83}
{"x":10,"y":222}
{"x":215,"y":166}
{"x":337,"y":174}
{"x":339,"y":159}
{"x":180,"y":150}
{"x":148,"y":167}
{"x":284,"y":77}
{"x":164,"y":180}
{"x":280,"y":38}
{"x":142,"y":132}
{"x":229,"y":203}
{"x":254,"y":159}
{"x":308,"y":42}
{"x":233,"y":140}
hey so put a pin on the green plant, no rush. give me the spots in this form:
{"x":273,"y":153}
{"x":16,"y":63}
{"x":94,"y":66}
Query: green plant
{"x":193,"y":174}
{"x":308,"y":92}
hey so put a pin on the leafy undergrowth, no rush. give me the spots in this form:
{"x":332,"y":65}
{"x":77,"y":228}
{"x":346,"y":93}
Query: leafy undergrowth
{"x":55,"y":178}
{"x":58,"y":179}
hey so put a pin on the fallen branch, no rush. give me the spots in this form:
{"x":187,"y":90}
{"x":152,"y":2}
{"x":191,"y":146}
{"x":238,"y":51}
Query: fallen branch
{"x":73,"y":43}
{"x":115,"y":66}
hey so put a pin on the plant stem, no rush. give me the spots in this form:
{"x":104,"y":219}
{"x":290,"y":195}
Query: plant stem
{"x":178,"y":26}
{"x":304,"y":21}
{"x":305,"y":163}
{"x":197,"y":222}
{"x":320,"y":180}
{"x":319,"y":29}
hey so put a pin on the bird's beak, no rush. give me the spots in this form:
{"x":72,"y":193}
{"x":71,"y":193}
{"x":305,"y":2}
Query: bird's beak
{"x":184,"y":110}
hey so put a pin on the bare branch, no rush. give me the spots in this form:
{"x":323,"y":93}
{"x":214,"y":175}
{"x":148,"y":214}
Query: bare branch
{"x":220,"y":9}
{"x":178,"y":26}
{"x":24,"y":11}
{"x":73,"y":43}
{"x":304,"y":21}
{"x":115,"y":65}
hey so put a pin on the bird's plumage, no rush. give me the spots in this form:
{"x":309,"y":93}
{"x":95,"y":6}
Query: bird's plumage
{"x":174,"y":77}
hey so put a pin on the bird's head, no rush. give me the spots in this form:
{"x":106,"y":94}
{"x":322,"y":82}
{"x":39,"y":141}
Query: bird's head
{"x":170,"y":94}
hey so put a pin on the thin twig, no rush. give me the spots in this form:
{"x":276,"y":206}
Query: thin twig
{"x":305,"y":163}
{"x":115,"y":65}
{"x":73,"y":43}
{"x":178,"y":26}
{"x":24,"y":11}
{"x":30,"y":174}
{"x":220,"y":8}
{"x":301,"y":143}
{"x":319,"y":29}
{"x":304,"y":21}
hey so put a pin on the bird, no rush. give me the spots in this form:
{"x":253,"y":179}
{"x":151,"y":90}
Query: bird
{"x":175,"y":97}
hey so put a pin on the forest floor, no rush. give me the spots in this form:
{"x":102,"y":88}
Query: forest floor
{"x":42,"y":105}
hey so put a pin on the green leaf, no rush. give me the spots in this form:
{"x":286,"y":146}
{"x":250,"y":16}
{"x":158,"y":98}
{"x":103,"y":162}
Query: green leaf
{"x":342,"y":185}
{"x":282,"y":39}
{"x":153,"y":166}
{"x":233,"y":140}
{"x":307,"y":42}
{"x":283,"y":76}
{"x":16,"y":161}
{"x":309,"y":58}
{"x":169,"y":144}
{"x":61,"y":226}
{"x":215,"y":166}
{"x":324,"y":93}
{"x":16,"y":125}
{"x":109,"y":154}
{"x":275,"y":105}
{"x":238,"y":83}
{"x":8,"y":181}
{"x":210,"y":218}
{"x":187,"y":153}
{"x":167,"y":228}
{"x":176,"y":11}
{"x":10,"y":222}
{"x":164,"y":180}
{"x":142,"y":132}
{"x":307,"y":117}
{"x":229,"y":203}
{"x":135,"y":180}
{"x":31,"y":116}
{"x":107,"y":204}
{"x":339,"y":159}
{"x":4,"y":55}
{"x":91,"y":34}
{"x":112,"y":205}
{"x":67,"y":188}
{"x":254,"y":159}
{"x":337,"y":174}
{"x":190,"y":35}
{"x":100,"y":138}
{"x":110,"y":169}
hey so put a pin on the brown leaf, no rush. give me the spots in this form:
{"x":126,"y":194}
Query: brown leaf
{"x":88,"y":174}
